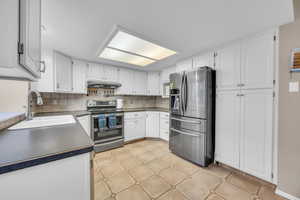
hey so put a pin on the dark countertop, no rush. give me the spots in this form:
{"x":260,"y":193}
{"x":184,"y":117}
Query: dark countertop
{"x":28,"y":147}
{"x":9,"y":118}
{"x":80,"y":113}
{"x":145,"y":109}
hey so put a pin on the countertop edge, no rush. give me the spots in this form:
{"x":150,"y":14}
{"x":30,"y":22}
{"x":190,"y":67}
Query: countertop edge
{"x":44,"y":159}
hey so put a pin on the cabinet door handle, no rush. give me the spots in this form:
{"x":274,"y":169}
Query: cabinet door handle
{"x":43,"y":69}
{"x":57,"y":85}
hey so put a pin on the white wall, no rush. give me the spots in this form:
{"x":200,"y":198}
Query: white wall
{"x":13,"y":96}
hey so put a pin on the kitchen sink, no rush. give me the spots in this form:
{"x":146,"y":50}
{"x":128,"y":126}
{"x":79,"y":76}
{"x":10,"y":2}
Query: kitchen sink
{"x":44,"y":121}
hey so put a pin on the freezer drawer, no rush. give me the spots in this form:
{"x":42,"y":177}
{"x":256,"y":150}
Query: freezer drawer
{"x":189,"y":146}
{"x":188,"y":124}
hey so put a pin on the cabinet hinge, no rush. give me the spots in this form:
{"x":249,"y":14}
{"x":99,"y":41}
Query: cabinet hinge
{"x":274,"y":82}
{"x":273,"y":94}
{"x":20,"y":48}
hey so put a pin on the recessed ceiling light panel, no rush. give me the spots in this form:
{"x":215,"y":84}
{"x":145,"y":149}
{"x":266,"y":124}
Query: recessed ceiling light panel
{"x":121,"y":56}
{"x":128,"y":48}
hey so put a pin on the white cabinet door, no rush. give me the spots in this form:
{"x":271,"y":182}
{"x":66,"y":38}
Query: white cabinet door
{"x":85,"y":122}
{"x":228,"y":67}
{"x":152,"y":124}
{"x":228,"y":128}
{"x":9,"y":23}
{"x":126,"y":78}
{"x":140,"y":83}
{"x":63,"y":72}
{"x":94,"y":71}
{"x":206,"y":59}
{"x":153,"y":86}
{"x":79,"y":77}
{"x":109,"y":73}
{"x":140,"y":130}
{"x":30,"y":35}
{"x":129,"y":129}
{"x":134,"y":128}
{"x":256,"y":133}
{"x":258,"y":61}
{"x":184,"y":65}
{"x":46,"y":83}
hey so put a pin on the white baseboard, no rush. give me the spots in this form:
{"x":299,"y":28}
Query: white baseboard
{"x":286,"y":195}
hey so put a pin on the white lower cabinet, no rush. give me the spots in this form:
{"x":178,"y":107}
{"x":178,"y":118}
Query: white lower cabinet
{"x":256,"y":133}
{"x":152,"y":124}
{"x":228,"y":128}
{"x":244,"y":131}
{"x":134,"y":125}
{"x":68,"y":178}
{"x":85,"y":122}
{"x":164,"y":123}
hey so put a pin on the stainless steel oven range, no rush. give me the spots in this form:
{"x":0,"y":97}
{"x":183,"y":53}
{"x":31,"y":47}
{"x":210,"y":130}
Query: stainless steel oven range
{"x":107,"y":125}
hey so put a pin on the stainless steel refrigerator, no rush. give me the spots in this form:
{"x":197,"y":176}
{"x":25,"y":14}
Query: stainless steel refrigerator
{"x":192,"y":103}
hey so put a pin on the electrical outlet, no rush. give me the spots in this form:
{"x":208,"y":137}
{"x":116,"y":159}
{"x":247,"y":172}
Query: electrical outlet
{"x":294,"y":86}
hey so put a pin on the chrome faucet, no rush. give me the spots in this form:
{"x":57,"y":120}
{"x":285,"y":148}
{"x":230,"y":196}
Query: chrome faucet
{"x":39,"y":101}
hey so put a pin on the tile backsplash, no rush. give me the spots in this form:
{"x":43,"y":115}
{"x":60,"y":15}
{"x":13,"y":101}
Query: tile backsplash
{"x":55,"y":102}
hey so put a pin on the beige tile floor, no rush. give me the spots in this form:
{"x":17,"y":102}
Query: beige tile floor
{"x":147,"y":170}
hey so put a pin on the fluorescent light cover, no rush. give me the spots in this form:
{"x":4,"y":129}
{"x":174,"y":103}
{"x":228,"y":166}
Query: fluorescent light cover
{"x":135,"y":45}
{"x":120,"y":56}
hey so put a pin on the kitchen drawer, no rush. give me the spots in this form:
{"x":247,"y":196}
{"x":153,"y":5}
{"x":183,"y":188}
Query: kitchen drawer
{"x":133,"y":115}
{"x":164,"y":134}
{"x":164,"y":123}
{"x":164,"y":115}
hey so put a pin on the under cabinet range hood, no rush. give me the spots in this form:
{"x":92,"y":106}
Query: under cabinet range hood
{"x":103,"y":84}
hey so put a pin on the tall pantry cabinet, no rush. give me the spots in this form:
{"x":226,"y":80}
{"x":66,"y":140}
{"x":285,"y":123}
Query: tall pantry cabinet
{"x":244,"y":105}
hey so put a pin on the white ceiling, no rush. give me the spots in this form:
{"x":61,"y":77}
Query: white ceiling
{"x":79,"y":27}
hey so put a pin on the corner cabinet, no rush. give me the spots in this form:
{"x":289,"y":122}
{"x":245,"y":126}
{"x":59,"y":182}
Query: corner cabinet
{"x":21,"y":41}
{"x":152,"y":124}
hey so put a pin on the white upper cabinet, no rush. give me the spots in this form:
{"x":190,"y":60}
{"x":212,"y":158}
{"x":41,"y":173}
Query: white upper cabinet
{"x":184,"y":65}
{"x":126,"y":77}
{"x":228,"y":128}
{"x":79,"y":77}
{"x":29,"y":41}
{"x":205,"y":59}
{"x":94,"y":71}
{"x":153,"y":83}
{"x":140,"y":83}
{"x":228,"y":67}
{"x":102,"y":72}
{"x":256,"y":132}
{"x":258,"y":61}
{"x":30,"y":35}
{"x":110,"y":73}
{"x":63,"y":66}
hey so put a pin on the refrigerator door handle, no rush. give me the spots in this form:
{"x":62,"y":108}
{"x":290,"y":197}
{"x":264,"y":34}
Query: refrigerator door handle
{"x":181,"y":94}
{"x":188,"y":121}
{"x":185,"y":133}
{"x":185,"y":93}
